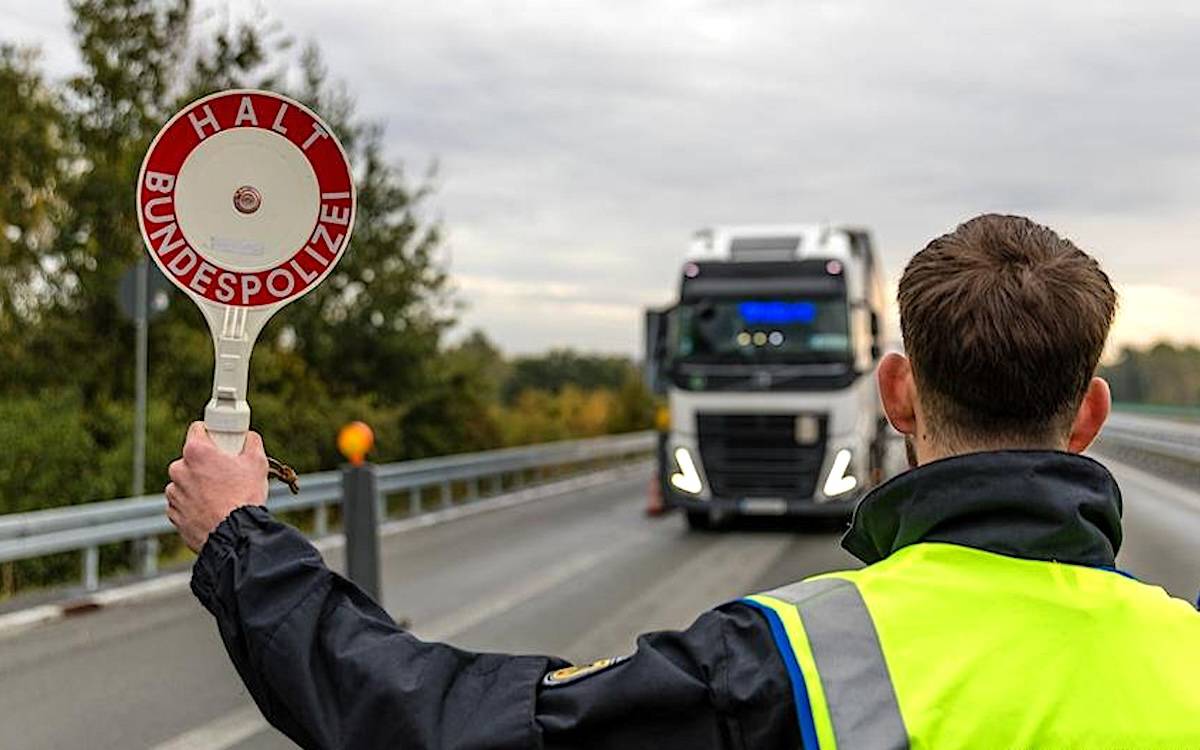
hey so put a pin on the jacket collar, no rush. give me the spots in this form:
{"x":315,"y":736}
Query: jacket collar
{"x":1040,"y":505}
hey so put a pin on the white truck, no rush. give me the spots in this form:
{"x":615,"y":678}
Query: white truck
{"x":767,"y":362}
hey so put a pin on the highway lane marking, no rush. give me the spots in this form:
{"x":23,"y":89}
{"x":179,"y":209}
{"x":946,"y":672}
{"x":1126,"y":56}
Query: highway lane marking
{"x":1160,"y":522}
{"x":513,"y":499}
{"x":1161,"y":489}
{"x":225,"y":732}
{"x":464,"y":619}
{"x":245,"y":723}
{"x":721,"y":572}
{"x":230,"y":730}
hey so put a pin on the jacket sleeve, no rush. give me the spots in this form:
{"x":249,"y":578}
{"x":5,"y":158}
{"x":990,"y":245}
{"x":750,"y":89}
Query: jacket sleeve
{"x":330,"y":669}
{"x":720,"y":684}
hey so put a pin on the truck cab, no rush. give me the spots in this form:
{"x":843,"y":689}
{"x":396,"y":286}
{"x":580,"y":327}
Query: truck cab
{"x":767,"y":363}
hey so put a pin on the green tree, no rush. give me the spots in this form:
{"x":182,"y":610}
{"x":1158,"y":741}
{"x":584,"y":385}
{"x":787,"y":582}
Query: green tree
{"x":136,"y":57}
{"x":31,"y":169}
{"x":458,"y":413}
{"x":634,"y":405}
{"x":1159,"y":374}
{"x":370,"y":335}
{"x":366,"y":345}
{"x":558,"y":368}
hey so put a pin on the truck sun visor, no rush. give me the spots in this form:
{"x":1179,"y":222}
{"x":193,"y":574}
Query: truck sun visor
{"x":806,"y":286}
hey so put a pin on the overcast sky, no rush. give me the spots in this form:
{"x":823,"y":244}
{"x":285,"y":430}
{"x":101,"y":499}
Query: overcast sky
{"x":580,"y":144}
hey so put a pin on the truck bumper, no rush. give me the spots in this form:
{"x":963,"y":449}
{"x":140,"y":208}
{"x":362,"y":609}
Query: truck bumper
{"x":798,"y":508}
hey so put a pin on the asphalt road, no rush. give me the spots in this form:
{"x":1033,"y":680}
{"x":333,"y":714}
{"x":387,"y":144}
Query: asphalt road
{"x":578,"y":575}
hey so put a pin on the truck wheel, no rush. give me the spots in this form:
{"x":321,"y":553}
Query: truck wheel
{"x":699,"y":520}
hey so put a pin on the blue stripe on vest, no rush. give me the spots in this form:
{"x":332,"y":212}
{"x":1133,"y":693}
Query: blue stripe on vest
{"x":1135,"y":578}
{"x":1118,"y":571}
{"x":808,"y":730}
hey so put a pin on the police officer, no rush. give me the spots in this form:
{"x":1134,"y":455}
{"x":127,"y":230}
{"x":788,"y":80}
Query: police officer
{"x":990,"y":613}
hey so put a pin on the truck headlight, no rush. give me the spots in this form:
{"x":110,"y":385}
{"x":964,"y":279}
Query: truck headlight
{"x":839,"y":482}
{"x":687,"y":479}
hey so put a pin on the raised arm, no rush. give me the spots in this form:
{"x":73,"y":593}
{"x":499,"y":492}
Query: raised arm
{"x":329,"y":668}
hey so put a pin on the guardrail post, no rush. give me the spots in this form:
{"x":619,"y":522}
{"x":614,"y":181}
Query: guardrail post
{"x":445,"y":495}
{"x":360,"y":518}
{"x":147,"y":551}
{"x":91,"y":568}
{"x":414,"y":501}
{"x":472,"y":489}
{"x":320,"y":520}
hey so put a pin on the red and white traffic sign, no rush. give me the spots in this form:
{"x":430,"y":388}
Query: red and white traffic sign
{"x":246,"y":199}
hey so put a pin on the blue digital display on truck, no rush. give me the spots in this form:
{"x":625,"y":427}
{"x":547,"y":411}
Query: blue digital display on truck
{"x":777,"y":313}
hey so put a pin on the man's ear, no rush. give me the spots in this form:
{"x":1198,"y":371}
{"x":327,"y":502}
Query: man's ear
{"x":1093,"y":410}
{"x":897,"y":390}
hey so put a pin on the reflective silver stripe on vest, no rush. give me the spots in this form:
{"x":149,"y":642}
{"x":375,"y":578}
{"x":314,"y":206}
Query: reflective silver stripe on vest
{"x":859,"y":693}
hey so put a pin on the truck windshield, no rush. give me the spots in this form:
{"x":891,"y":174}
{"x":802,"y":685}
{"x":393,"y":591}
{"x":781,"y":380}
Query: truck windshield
{"x":754,"y":331}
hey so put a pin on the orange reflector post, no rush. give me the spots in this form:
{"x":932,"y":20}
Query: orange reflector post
{"x":355,"y":441}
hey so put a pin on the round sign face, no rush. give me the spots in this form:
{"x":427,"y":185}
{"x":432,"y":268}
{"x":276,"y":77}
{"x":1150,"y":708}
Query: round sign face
{"x":245,"y":199}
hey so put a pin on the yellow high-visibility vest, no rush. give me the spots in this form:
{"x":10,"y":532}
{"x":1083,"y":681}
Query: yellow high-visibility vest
{"x":943,"y":646}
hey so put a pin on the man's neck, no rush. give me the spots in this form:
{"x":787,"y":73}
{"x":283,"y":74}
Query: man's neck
{"x":925,"y":449}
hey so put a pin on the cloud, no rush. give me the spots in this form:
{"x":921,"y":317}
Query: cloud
{"x":43,"y":25}
{"x":585,"y":144}
{"x":1153,"y":312}
{"x":580,"y":143}
{"x":548,"y":311}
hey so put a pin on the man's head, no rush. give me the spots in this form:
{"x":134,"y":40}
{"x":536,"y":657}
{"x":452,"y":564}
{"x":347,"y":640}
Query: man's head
{"x":1003,"y":322}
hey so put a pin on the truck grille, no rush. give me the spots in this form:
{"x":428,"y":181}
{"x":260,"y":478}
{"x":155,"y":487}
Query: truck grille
{"x":756,"y":455}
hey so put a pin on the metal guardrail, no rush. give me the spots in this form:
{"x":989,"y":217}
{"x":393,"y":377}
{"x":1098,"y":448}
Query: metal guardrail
{"x":1164,"y":411}
{"x":141,"y":519}
{"x":1154,"y":436}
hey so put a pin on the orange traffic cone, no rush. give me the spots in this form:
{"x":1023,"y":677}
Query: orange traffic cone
{"x":654,"y":498}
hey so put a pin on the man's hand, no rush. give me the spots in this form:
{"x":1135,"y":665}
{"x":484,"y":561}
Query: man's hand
{"x":207,"y":484}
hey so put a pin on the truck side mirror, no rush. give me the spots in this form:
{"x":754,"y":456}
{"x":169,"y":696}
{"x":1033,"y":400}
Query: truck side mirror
{"x":656,"y":365}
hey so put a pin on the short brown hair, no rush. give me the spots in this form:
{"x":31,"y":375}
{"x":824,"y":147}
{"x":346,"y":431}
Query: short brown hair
{"x":1004,"y":322}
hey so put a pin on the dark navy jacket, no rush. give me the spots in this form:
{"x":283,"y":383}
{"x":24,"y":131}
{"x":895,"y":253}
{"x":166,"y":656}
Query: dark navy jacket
{"x":329,"y":668}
